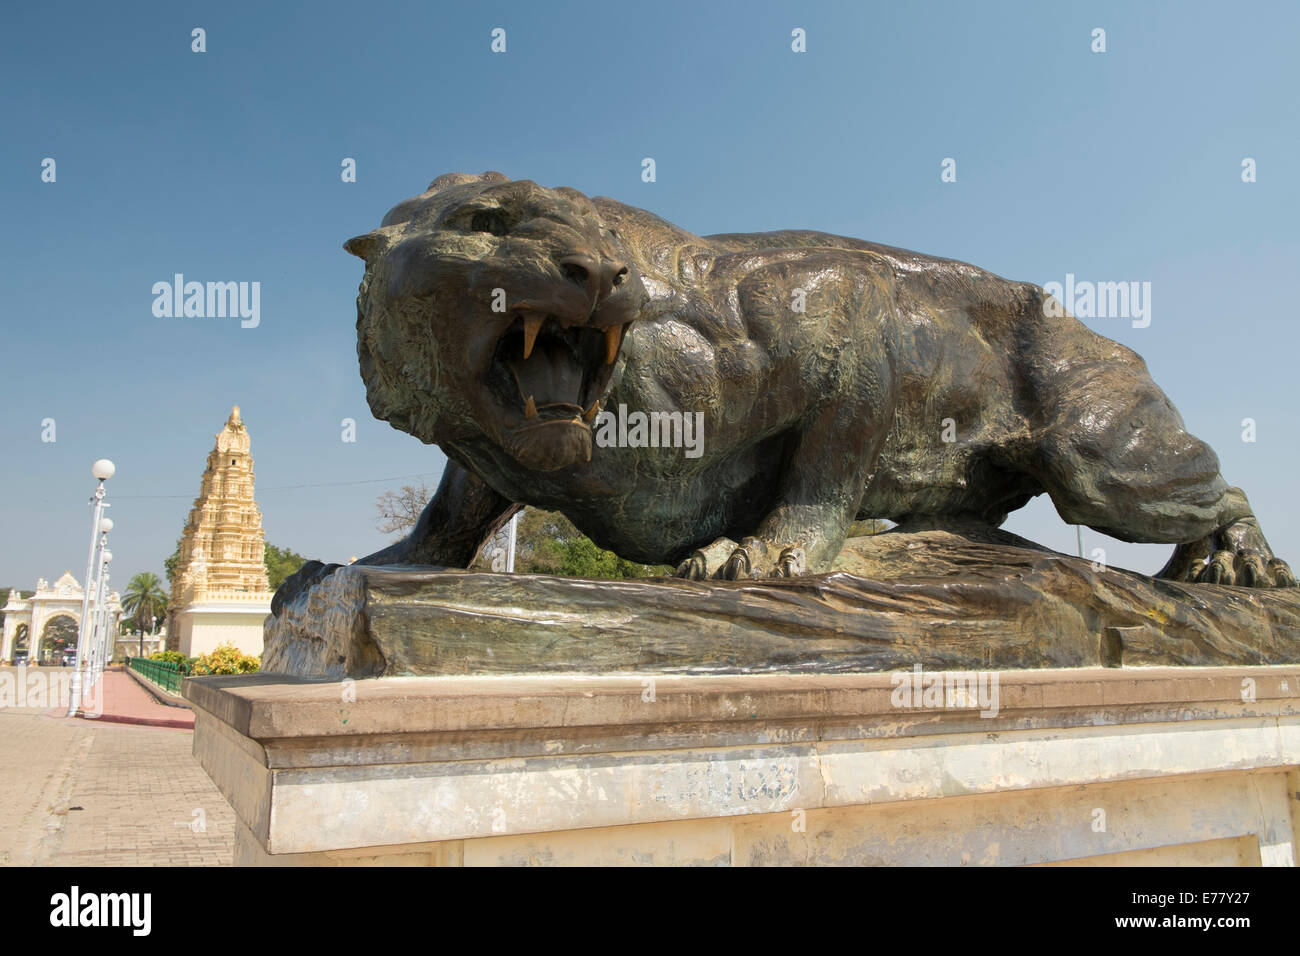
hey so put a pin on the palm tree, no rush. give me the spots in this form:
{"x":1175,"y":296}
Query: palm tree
{"x":145,"y":601}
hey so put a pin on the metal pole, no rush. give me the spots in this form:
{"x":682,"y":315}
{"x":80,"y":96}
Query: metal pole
{"x":101,"y":645}
{"x":106,"y":654}
{"x":92,"y":644}
{"x":82,"y":630}
{"x":110,"y":626}
{"x":511,"y":533}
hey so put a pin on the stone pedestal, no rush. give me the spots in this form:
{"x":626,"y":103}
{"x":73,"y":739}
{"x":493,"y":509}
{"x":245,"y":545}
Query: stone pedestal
{"x":947,"y":601}
{"x":1082,"y":766}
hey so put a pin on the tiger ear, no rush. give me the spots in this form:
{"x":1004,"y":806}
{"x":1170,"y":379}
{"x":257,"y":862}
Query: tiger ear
{"x":367,"y":246}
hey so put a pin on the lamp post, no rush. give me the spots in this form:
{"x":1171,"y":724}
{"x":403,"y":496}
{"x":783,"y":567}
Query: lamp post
{"x":106,"y":647}
{"x":88,"y":651}
{"x":102,"y":470}
{"x":98,"y":650}
{"x":512,"y":533}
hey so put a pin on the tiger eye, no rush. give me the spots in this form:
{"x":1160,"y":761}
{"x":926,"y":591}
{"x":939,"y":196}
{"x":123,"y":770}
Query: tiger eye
{"x":489,"y":220}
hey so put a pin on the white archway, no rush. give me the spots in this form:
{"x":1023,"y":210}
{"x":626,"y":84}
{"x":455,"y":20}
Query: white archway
{"x":58,"y":634}
{"x":51,"y":601}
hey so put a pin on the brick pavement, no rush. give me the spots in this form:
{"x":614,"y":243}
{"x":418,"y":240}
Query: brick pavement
{"x":37,"y":757}
{"x":138,"y":789}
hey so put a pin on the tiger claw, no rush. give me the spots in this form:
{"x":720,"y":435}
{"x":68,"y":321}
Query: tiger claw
{"x":1220,"y":570}
{"x":693,"y":568}
{"x":792,"y":563}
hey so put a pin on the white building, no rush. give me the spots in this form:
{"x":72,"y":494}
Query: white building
{"x":53,"y":613}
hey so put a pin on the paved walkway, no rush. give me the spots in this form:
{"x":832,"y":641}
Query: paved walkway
{"x":124,"y":701}
{"x":77,"y":792}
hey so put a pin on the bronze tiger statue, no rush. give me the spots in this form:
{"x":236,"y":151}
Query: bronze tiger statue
{"x":835,"y":379}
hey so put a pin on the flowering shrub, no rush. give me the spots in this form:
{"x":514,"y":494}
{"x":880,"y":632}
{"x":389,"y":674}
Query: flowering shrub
{"x":225,"y":659}
{"x":172,"y":657}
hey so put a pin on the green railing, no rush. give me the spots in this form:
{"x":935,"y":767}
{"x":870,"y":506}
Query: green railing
{"x":165,"y":674}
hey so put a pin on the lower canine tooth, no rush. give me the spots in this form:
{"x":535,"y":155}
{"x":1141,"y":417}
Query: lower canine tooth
{"x":530,"y":408}
{"x":611,"y":343}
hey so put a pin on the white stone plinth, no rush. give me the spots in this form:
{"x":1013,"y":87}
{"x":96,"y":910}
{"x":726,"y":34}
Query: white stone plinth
{"x":1158,"y":765}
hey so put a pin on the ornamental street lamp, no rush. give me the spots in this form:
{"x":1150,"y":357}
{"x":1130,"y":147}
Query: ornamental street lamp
{"x":106,"y":619}
{"x":512,"y":533}
{"x":88,"y":648}
{"x":501,"y":548}
{"x":102,"y":470}
{"x":101,"y":598}
{"x":100,"y":626}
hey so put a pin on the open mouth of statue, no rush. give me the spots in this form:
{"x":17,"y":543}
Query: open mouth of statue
{"x":555,"y":376}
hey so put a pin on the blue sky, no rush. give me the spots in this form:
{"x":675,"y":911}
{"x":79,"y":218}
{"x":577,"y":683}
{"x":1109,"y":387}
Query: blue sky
{"x":225,"y":166}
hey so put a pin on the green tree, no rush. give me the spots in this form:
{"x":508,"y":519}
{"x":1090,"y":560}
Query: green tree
{"x":60,"y":635}
{"x":580,"y":558}
{"x":169,"y":565}
{"x":547,"y":542}
{"x":280,"y":564}
{"x":145,"y":601}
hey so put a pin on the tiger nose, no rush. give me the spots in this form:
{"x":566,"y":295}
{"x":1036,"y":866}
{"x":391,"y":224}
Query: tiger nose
{"x":598,"y":277}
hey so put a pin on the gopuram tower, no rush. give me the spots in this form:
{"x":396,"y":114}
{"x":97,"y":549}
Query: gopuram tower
{"x":220,"y":591}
